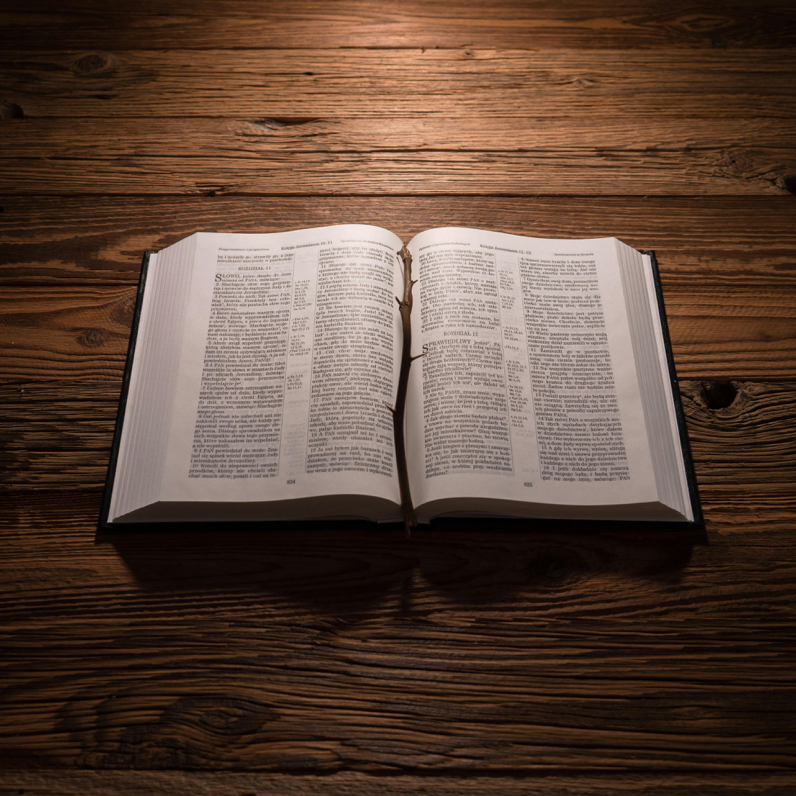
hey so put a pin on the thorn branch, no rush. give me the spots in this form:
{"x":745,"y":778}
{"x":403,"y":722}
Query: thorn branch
{"x":405,"y":309}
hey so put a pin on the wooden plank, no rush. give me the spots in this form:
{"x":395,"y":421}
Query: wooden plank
{"x":66,"y":331}
{"x":332,"y":84}
{"x":442,"y":156}
{"x":608,"y":172}
{"x":58,"y":402}
{"x":715,"y":334}
{"x":570,"y":651}
{"x":386,"y":710}
{"x":82,"y":333}
{"x":754,"y":172}
{"x":235,"y":783}
{"x":215,"y":137}
{"x":45,"y":24}
{"x":730,"y":429}
{"x":57,"y":435}
{"x":722,"y":241}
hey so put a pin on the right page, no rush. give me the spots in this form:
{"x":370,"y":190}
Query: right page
{"x":526,"y":400}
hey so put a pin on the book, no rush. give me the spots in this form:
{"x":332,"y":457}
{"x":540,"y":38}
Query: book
{"x":262,"y":374}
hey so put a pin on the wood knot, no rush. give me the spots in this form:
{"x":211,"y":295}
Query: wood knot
{"x":718,"y":394}
{"x":10,"y":110}
{"x":555,"y":569}
{"x":224,"y":716}
{"x":188,"y":731}
{"x":691,"y":713}
{"x":278,"y":124}
{"x":735,"y":163}
{"x":91,"y":338}
{"x":702,"y":23}
{"x":94,"y":65}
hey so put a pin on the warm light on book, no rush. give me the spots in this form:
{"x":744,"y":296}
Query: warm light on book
{"x":269,"y":379}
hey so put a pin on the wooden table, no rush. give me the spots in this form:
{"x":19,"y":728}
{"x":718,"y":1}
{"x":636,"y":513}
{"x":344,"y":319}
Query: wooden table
{"x":461,"y":661}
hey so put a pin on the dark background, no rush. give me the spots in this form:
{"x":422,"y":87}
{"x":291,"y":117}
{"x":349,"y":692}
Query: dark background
{"x":475,"y":659}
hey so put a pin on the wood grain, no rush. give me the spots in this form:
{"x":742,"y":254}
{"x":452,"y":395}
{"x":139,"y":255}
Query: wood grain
{"x":327,"y":84}
{"x":169,"y":714}
{"x":466,"y":23}
{"x":167,"y":783}
{"x":97,"y":138}
{"x":620,"y":576}
{"x":722,"y":241}
{"x":475,"y":658}
{"x":415,"y":651}
{"x":445,"y":156}
{"x":609,"y":172}
{"x":62,"y":331}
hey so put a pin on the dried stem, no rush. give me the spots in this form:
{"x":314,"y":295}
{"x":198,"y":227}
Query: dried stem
{"x":398,"y":413}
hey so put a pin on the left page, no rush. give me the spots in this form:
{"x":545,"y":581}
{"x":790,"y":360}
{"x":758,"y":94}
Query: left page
{"x":287,"y":366}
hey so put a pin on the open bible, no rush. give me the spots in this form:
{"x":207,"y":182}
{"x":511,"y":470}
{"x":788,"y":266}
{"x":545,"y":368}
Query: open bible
{"x":262,"y":372}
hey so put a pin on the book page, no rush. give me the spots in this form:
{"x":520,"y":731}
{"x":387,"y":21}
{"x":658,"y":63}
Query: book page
{"x":527,"y":390}
{"x":288,"y":366}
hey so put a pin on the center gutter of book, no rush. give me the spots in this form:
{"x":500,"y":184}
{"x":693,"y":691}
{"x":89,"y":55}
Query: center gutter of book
{"x":399,"y":410}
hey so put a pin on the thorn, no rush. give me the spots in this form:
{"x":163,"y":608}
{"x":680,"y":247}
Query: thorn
{"x":398,"y":300}
{"x":417,"y":356}
{"x":391,"y":408}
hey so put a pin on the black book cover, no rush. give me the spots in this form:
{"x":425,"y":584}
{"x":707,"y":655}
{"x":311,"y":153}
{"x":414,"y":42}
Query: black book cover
{"x":104,"y":525}
{"x":690,"y":474}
